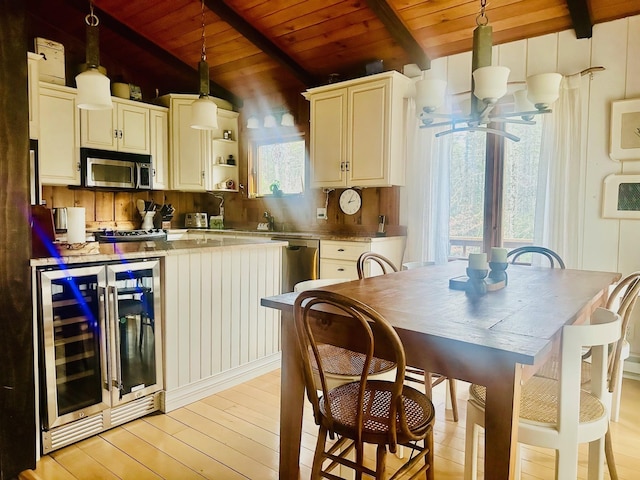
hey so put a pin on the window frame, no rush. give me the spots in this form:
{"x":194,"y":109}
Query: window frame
{"x":252,"y":160}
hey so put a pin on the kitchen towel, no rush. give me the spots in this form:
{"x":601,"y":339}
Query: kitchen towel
{"x":76,"y":232}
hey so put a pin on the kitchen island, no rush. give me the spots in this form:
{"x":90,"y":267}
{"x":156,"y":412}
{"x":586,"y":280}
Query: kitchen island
{"x":215,"y":334}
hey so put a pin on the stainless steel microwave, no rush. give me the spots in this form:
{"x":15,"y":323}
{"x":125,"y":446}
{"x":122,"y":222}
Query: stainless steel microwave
{"x":104,"y":168}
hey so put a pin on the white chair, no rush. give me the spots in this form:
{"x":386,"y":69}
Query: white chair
{"x":412,"y":265}
{"x":317,"y":283}
{"x":549,"y":416}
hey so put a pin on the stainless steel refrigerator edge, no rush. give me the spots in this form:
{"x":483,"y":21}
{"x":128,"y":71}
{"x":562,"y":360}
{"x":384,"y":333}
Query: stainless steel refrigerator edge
{"x":101,"y":347}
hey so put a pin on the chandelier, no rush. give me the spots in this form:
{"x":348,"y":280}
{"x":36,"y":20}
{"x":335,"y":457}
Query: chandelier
{"x":488,"y":85}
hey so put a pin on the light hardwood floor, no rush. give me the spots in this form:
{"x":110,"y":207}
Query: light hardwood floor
{"x":234,"y":435}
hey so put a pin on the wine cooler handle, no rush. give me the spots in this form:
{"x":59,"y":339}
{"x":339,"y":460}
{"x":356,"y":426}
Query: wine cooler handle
{"x":103,"y":318}
{"x":113,"y":307}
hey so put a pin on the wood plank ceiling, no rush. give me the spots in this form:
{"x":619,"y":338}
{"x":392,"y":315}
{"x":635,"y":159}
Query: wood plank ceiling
{"x":257,"y":48}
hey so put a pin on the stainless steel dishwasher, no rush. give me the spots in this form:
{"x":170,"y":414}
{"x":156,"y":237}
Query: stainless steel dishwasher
{"x":301,"y":261}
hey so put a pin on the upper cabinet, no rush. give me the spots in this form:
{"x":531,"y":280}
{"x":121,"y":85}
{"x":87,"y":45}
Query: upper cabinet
{"x":33,"y":70}
{"x":199,"y":158}
{"x":159,"y":138}
{"x":358,"y":131}
{"x":59,"y":139}
{"x":125,"y":128}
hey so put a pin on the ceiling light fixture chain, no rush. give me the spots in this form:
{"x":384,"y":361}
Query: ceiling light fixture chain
{"x":482,"y":19}
{"x":488,"y":86}
{"x":91,"y":19}
{"x":204,"y":38}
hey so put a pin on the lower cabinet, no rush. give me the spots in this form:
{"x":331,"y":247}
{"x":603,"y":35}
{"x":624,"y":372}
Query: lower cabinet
{"x":217,"y":334}
{"x":338,"y":258}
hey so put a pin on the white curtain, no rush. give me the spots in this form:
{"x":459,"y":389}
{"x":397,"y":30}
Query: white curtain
{"x":425,"y":203}
{"x":557,"y":219}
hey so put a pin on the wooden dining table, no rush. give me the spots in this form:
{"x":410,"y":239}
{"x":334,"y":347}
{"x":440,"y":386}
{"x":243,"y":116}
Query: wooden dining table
{"x":497,"y":340}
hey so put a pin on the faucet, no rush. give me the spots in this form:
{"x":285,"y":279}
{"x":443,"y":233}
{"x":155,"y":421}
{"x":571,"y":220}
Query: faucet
{"x":270,"y":220}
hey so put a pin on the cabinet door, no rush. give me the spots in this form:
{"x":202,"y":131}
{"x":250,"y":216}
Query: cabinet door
{"x":328,"y":138}
{"x":98,"y":129}
{"x":188,"y":149}
{"x":369,"y":134}
{"x":159,"y":134}
{"x":133,"y":128}
{"x":58,"y":146}
{"x":34,"y":91}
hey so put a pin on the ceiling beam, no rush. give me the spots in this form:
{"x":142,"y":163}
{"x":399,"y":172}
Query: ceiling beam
{"x":400,"y":33}
{"x":582,"y":24}
{"x":109,"y":22}
{"x":226,"y":13}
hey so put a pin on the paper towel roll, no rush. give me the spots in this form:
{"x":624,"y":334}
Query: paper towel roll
{"x":75,"y":225}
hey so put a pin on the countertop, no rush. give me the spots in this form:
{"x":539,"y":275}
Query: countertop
{"x":276,"y":234}
{"x":130,"y":250}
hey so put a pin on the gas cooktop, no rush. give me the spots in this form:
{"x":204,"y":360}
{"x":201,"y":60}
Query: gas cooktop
{"x":130,"y":235}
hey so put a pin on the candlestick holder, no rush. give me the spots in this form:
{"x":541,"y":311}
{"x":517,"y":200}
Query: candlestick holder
{"x":498,"y":272}
{"x":476,"y":285}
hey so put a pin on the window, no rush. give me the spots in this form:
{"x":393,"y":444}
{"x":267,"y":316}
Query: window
{"x":517,"y":183}
{"x":278,"y":166}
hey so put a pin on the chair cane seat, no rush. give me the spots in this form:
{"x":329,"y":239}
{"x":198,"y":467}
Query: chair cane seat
{"x":340,"y":361}
{"x":539,"y":402}
{"x":343,"y":401}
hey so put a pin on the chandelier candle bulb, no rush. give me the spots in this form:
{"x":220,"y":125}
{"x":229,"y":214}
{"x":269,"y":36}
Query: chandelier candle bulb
{"x":478,"y":261}
{"x":498,"y":255}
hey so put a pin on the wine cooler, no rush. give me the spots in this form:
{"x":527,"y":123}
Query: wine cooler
{"x":101,"y":347}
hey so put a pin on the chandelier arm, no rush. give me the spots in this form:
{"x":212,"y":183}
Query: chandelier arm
{"x":502,"y":133}
{"x":513,"y":120}
{"x":521,"y":114}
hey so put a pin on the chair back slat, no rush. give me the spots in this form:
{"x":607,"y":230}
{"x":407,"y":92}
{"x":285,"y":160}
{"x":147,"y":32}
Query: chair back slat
{"x":549,"y":254}
{"x":383,"y":262}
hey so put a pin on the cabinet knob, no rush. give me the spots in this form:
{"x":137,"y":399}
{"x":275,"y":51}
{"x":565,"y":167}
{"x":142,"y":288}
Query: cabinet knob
{"x":342,"y":166}
{"x":119,"y":133}
{"x":115,"y":133}
{"x":341,"y":249}
{"x":153,"y":172}
{"x":341,"y":269}
{"x":78,"y":166}
{"x":347,"y":166}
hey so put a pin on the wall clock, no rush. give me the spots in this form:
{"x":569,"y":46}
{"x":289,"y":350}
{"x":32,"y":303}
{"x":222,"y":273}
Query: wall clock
{"x":350,"y":201}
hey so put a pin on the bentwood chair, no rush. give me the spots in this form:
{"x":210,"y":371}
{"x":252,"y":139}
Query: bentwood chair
{"x":558,"y":413}
{"x":343,"y":365}
{"x":380,"y":412}
{"x":527,"y":249}
{"x":428,"y":379}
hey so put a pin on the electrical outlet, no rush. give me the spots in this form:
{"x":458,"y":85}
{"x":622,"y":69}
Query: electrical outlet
{"x":321,"y":213}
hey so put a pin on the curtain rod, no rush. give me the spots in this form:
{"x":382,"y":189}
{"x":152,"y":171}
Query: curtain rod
{"x":591,"y":70}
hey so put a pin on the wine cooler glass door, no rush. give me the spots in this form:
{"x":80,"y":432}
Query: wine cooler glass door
{"x":135,"y":314}
{"x":74,"y":346}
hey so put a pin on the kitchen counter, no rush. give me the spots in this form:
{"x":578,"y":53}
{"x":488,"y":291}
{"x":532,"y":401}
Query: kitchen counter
{"x":238,"y":233}
{"x":132,"y":250}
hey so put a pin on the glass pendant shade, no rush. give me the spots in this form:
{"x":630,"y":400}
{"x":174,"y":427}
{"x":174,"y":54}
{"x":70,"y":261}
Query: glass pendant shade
{"x":543,"y":89}
{"x":490,"y":83}
{"x":269,"y":121}
{"x":521,"y":102}
{"x":204,"y":113}
{"x":430,"y":94}
{"x":287,"y":120}
{"x":252,"y":122}
{"x":93,"y":90}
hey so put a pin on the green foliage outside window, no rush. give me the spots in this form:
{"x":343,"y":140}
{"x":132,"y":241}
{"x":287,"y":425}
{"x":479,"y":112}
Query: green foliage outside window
{"x":279,"y":167}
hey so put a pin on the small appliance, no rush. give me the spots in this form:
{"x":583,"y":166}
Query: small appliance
{"x":196,"y":220}
{"x":112,"y":236}
{"x":104,"y":168}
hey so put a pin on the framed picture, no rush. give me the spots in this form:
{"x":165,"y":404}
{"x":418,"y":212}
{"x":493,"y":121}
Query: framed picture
{"x":625,"y":130}
{"x":621,"y":196}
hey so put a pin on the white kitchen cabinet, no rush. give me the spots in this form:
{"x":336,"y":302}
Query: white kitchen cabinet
{"x":33,"y":75}
{"x":358,"y":131}
{"x":192,"y":151}
{"x":59,"y":140}
{"x":159,"y":145}
{"x":125,"y":128}
{"x":339,"y":258}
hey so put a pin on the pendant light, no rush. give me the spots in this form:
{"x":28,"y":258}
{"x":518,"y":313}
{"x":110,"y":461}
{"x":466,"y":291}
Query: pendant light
{"x":204,"y":111}
{"x":93,"y":87}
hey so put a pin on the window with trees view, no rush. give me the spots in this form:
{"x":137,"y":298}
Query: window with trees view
{"x":278,"y":166}
{"x":518,"y":187}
